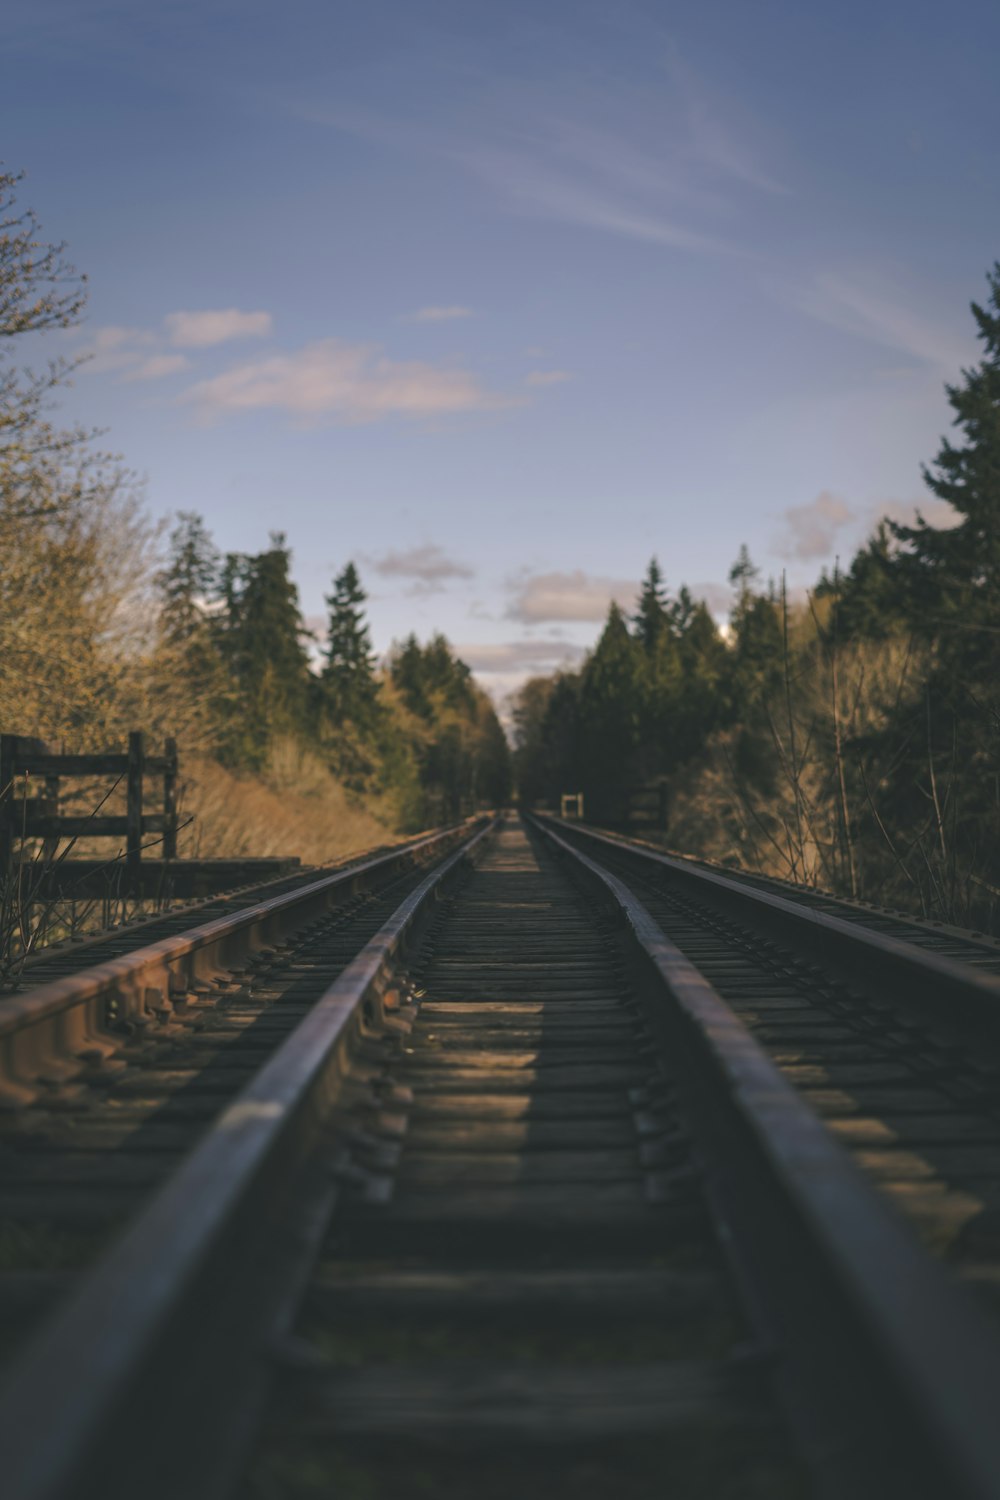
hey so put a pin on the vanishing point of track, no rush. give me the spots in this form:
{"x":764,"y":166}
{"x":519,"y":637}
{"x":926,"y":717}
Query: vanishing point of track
{"x":524,"y":1159}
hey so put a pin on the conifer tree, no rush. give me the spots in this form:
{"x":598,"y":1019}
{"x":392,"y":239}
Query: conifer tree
{"x":953,"y":575}
{"x":610,"y":707}
{"x":349,"y":688}
{"x":189,"y":581}
{"x":260,"y":634}
{"x":652,"y":620}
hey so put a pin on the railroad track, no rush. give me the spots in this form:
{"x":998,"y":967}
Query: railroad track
{"x":110,"y":1073}
{"x":69,"y":955}
{"x":891,"y":1033}
{"x":520,"y":1203}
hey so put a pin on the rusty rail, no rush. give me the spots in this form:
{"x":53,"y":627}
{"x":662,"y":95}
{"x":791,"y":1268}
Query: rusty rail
{"x":884,"y":1362}
{"x":84,"y":1409}
{"x":58,"y":1030}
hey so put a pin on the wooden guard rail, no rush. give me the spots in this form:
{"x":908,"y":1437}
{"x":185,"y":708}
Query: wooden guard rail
{"x":24,"y":816}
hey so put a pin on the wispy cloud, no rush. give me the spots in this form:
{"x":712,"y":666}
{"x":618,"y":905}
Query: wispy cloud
{"x":666,"y":161}
{"x":539,"y":597}
{"x":114,"y":348}
{"x":350,"y":383}
{"x":429,"y":567}
{"x":440,"y":314}
{"x":718,"y":597}
{"x":809,"y":530}
{"x":145,"y":353}
{"x":867,"y":307}
{"x":715,"y":139}
{"x":520,"y":656}
{"x":547,"y":377}
{"x":156,"y":367}
{"x":200,"y":330}
{"x":937,"y":513}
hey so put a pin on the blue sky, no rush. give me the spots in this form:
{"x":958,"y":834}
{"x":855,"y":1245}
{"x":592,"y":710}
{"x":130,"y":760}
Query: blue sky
{"x":500,"y":300}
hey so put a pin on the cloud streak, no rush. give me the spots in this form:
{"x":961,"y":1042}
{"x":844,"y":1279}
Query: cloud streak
{"x":873,"y":312}
{"x":547,"y":377}
{"x":145,"y":353}
{"x":347,"y":383}
{"x":810,"y":529}
{"x":201,"y":330}
{"x":440,"y":314}
{"x":540,"y":597}
{"x":429,"y":567}
{"x":510,"y":657}
{"x":666,"y":162}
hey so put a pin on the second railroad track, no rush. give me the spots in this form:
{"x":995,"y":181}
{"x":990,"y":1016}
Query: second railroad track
{"x":522,"y":1160}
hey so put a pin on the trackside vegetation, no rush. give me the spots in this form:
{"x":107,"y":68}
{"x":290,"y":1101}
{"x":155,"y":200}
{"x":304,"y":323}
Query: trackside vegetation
{"x":848,"y":739}
{"x":105,"y":625}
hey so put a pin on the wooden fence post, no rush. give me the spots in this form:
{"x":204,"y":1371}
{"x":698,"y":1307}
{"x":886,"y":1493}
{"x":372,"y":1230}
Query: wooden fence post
{"x":6,"y":807}
{"x":170,"y":801}
{"x":133,"y":811}
{"x":50,"y":846}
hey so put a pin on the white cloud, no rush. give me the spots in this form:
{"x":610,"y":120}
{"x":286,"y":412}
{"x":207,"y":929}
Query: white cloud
{"x":810,"y":529}
{"x":350,"y":383}
{"x":510,"y":657}
{"x":547,"y":377}
{"x":718,"y":597}
{"x":666,"y":160}
{"x":139,"y":353}
{"x":567,"y":596}
{"x":873,"y":311}
{"x":715,"y":137}
{"x":200,"y":330}
{"x":440,"y":314}
{"x":937,"y":513}
{"x":157,"y":366}
{"x":116,"y":348}
{"x":429,"y":566}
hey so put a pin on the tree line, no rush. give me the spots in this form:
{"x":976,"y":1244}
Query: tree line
{"x":417,"y":732}
{"x":848,"y":739}
{"x":211,"y":647}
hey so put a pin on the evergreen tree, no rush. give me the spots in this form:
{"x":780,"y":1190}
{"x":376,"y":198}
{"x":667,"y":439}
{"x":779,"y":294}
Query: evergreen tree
{"x":260,"y":632}
{"x":652,"y":620}
{"x":348,"y":687}
{"x":407,"y":672}
{"x":955,"y":573}
{"x":190,"y":579}
{"x":610,"y":706}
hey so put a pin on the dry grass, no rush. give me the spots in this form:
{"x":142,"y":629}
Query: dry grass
{"x":297,"y":809}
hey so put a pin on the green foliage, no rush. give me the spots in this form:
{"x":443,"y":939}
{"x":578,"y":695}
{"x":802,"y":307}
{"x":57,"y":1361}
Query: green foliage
{"x":348,"y":690}
{"x":851,"y":740}
{"x":459,"y":754}
{"x":420,"y":740}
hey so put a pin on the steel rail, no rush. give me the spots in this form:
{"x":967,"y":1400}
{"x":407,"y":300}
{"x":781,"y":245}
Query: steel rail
{"x":55,"y":1031}
{"x":920,"y":974}
{"x":67,"y":951}
{"x":883,"y":1362}
{"x":110,"y":1380}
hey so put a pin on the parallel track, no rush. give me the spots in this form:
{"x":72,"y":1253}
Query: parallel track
{"x":906,"y":1077}
{"x":98,"y":1133}
{"x":70,"y":955}
{"x":521,"y":1205}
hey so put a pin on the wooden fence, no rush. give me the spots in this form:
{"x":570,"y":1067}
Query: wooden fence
{"x":31,"y":777}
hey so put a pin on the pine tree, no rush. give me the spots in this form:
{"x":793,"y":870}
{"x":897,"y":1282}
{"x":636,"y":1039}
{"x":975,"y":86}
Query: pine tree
{"x":954,"y":574}
{"x":610,"y":707}
{"x":260,"y":633}
{"x":652,"y":620}
{"x":188,"y":582}
{"x":407,"y":672}
{"x":348,"y":685}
